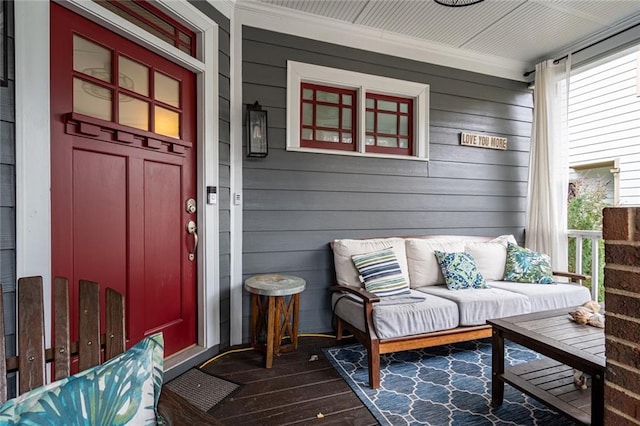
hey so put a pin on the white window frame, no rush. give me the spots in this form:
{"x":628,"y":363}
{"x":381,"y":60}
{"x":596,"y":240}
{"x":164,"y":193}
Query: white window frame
{"x":298,"y":72}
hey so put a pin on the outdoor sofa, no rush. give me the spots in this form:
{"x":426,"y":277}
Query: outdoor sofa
{"x":429,"y":313}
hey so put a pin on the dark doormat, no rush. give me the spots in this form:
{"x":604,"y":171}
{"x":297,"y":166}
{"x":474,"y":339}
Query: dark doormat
{"x":201,"y":389}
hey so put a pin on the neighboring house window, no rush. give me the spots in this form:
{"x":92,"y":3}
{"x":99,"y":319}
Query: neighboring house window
{"x":342,"y":112}
{"x":328,"y":116}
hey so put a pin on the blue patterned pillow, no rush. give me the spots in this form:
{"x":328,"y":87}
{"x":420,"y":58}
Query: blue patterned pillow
{"x":527,"y":266}
{"x":381,"y":272}
{"x":460,"y":271}
{"x":122,"y":391}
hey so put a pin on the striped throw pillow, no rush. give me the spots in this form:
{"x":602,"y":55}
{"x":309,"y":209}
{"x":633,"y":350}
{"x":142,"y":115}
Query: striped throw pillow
{"x":381,"y":272}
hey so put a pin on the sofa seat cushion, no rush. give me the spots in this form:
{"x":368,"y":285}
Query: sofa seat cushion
{"x":544,"y":297}
{"x":400,"y":316}
{"x":476,"y":306}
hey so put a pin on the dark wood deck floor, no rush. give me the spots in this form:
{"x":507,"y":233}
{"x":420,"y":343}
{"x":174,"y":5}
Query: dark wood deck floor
{"x":296,"y":390}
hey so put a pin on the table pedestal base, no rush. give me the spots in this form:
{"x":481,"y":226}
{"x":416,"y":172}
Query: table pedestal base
{"x":274,"y":318}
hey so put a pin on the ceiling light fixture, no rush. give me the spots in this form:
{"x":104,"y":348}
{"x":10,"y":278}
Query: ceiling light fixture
{"x":457,"y":3}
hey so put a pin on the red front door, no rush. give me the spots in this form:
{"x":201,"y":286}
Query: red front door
{"x":122,"y":170}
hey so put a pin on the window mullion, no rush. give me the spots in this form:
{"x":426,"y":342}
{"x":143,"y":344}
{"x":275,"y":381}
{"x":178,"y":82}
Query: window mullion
{"x":362,"y":120}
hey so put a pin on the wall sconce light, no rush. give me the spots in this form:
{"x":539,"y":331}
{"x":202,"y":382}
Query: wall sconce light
{"x":256,"y":124}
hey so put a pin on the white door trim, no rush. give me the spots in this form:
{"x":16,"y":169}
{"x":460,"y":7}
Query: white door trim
{"x":237,"y":196}
{"x":33,"y":162}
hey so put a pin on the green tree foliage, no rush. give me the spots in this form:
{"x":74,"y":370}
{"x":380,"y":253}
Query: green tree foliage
{"x":586,"y":200}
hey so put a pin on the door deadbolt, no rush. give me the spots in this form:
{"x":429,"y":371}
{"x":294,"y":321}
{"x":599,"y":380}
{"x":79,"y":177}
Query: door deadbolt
{"x":190,"y":206}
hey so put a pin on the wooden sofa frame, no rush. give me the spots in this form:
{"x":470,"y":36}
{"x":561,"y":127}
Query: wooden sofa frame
{"x":376,"y":346}
{"x":31,"y":362}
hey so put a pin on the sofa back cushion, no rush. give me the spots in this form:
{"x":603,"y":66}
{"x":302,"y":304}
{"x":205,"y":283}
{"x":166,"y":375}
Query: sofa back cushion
{"x":421,"y":260}
{"x":490,"y":256}
{"x":346,"y":272}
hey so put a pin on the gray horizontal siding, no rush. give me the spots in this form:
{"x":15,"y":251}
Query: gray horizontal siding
{"x":352,"y":182}
{"x":8,"y":199}
{"x":296,"y":202}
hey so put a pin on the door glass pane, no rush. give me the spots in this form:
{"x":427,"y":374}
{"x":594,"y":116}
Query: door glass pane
{"x":346,"y":99}
{"x":404,"y":125}
{"x":346,"y":138}
{"x":327,"y":97}
{"x":369,"y":124}
{"x":404,"y":107}
{"x":91,"y":99}
{"x":167,"y":90}
{"x":133,"y":112}
{"x":390,"y":142}
{"x":370,"y":140}
{"x":91,"y":59}
{"x":404,"y":143}
{"x":346,"y":118}
{"x":327,"y":116}
{"x":387,"y":105}
{"x":167,"y":122}
{"x":387,"y":123}
{"x":184,"y":37}
{"x":370,"y":103}
{"x":133,"y":76}
{"x":307,"y":114}
{"x":307,"y":94}
{"x":323,"y":135}
{"x":307,"y":134}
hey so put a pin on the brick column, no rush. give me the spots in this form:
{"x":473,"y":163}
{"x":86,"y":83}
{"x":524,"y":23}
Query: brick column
{"x":621,"y":232}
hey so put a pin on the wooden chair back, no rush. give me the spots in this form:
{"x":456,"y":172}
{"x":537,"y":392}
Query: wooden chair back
{"x":92,"y":348}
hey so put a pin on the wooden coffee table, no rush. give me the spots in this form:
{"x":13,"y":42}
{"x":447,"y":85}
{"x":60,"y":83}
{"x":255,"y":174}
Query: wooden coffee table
{"x":550,"y":380}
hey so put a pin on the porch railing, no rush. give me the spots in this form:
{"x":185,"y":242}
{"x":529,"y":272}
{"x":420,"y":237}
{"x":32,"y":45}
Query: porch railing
{"x":595,"y":237}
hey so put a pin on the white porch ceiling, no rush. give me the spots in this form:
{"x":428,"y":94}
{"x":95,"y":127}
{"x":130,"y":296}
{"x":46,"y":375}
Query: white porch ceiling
{"x":516,"y":30}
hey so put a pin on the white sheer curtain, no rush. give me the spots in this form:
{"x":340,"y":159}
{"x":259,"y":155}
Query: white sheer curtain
{"x":546,"y":218}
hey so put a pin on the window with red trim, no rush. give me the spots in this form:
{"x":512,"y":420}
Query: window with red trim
{"x":148,"y":17}
{"x":389,"y":124}
{"x":327,"y":117}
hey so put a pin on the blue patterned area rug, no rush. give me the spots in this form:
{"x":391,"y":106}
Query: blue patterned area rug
{"x":445,"y":385}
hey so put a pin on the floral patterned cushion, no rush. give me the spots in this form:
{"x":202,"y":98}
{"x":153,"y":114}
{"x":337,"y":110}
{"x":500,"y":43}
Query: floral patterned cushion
{"x":527,"y":266}
{"x":122,"y":391}
{"x":460,"y":271}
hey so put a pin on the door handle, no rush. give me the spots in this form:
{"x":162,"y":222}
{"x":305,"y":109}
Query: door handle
{"x":191,"y":229}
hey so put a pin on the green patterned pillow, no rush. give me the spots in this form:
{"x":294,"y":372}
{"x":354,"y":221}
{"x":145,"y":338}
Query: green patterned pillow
{"x":527,"y":266}
{"x":460,"y":270}
{"x":381,"y":272}
{"x":122,"y":391}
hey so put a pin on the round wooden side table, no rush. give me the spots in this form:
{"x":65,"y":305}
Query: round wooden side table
{"x":273,"y":317}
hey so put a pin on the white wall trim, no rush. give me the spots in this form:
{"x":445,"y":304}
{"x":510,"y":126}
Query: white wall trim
{"x":269,"y":17}
{"x":207,"y":175}
{"x":237,"y":156}
{"x":226,"y":7}
{"x":33,"y":160}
